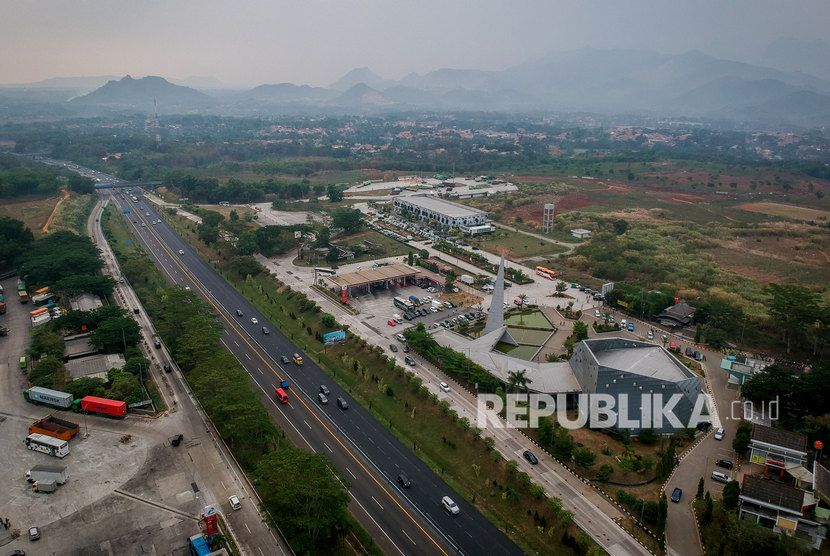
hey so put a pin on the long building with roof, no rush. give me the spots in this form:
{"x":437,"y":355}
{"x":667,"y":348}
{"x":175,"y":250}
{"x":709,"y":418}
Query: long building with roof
{"x":444,"y":213}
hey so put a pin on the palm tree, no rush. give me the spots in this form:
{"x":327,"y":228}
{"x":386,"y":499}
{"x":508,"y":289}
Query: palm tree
{"x":517,"y":380}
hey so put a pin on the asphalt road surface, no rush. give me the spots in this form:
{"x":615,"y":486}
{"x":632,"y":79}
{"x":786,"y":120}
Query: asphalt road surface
{"x":369,"y":456}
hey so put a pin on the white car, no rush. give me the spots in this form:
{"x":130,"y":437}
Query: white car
{"x":445,"y":387}
{"x":254,"y":320}
{"x":181,"y":251}
{"x":650,"y":334}
{"x":449,"y":505}
{"x":596,"y":313}
{"x":234,"y":502}
{"x":719,"y":434}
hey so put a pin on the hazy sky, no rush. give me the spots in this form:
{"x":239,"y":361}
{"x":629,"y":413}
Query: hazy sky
{"x":315,"y":42}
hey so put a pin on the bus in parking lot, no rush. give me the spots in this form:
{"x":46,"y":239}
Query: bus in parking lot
{"x":546,"y":272}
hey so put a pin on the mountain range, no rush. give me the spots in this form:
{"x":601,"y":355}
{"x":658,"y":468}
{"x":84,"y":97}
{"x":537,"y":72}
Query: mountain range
{"x":642,"y":83}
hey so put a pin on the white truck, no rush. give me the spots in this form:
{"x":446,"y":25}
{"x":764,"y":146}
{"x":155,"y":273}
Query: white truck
{"x":467,"y":279}
{"x":45,"y":485}
{"x":55,"y":473}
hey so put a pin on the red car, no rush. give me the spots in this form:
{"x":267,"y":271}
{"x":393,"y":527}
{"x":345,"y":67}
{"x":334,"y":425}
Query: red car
{"x":672,"y":345}
{"x":390,"y":322}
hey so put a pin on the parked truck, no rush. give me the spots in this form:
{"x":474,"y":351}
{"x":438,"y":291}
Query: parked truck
{"x":104,"y":406}
{"x":52,"y":426}
{"x":2,"y":304}
{"x":467,"y":279}
{"x":55,"y":473}
{"x":22,"y":296}
{"x":38,"y":395}
{"x":45,"y":486}
{"x":415,"y":301}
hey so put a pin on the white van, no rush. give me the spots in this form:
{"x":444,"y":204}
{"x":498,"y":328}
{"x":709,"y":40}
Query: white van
{"x":720,"y":477}
{"x":449,"y":505}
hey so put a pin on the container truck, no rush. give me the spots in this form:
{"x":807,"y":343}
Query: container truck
{"x":52,"y":426}
{"x":104,"y":406}
{"x":467,"y":279}
{"x":22,"y":296}
{"x":38,"y":395}
{"x":55,"y":473}
{"x":45,"y":486}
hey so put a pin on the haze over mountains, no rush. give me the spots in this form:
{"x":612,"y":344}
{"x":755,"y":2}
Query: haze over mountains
{"x":643,"y":83}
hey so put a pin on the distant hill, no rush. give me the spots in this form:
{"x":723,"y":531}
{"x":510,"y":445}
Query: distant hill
{"x":288,"y":93}
{"x":361,"y":75}
{"x":361,"y":95}
{"x":81,"y":84}
{"x":792,"y":54}
{"x":142,"y":93}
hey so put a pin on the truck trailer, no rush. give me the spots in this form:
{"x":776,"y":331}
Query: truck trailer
{"x":104,"y":406}
{"x":45,"y":486}
{"x":55,"y":473}
{"x":52,"y":426}
{"x":38,"y":395}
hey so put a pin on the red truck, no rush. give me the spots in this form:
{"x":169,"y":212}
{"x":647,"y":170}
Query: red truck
{"x":113,"y":408}
{"x":52,"y":426}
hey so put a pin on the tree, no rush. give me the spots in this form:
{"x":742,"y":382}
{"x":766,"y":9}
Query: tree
{"x":115,"y":334}
{"x":247,"y":244}
{"x":605,"y":472}
{"x":563,"y":444}
{"x":246,"y":265}
{"x":15,"y":239}
{"x":335,"y":193}
{"x":516,"y":380}
{"x":411,"y":258}
{"x":208,"y":234}
{"x":584,"y":457}
{"x":662,"y":514}
{"x":700,"y":486}
{"x":305,"y":493}
{"x":561,"y":286}
{"x":731,"y":493}
{"x":793,"y":308}
{"x":708,"y":508}
{"x":544,"y":433}
{"x":234,"y":216}
{"x":620,"y":226}
{"x":327,"y":319}
{"x":667,"y":461}
{"x":323,"y":237}
{"x":49,"y":372}
{"x":350,"y":220}
{"x":580,"y":330}
{"x":523,"y":299}
{"x":648,"y":436}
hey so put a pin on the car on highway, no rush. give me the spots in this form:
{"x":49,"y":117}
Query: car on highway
{"x":528,"y":455}
{"x":342,"y":403}
{"x":450,"y":505}
{"x":323,"y":398}
{"x":725,"y":463}
{"x":325,"y":390}
{"x":233,"y":500}
{"x":393,"y":347}
{"x":265,"y":330}
{"x":404,"y":481}
{"x":239,"y":312}
{"x":285,"y":360}
{"x":675,"y":496}
{"x":181,"y":251}
{"x":254,"y":320}
{"x":444,"y":386}
{"x":168,"y":368}
{"x":719,"y":434}
{"x":157,"y":344}
{"x":298,"y":359}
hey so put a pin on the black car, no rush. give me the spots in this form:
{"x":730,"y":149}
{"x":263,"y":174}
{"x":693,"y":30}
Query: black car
{"x":285,"y":360}
{"x":405,"y":349}
{"x":725,"y":463}
{"x":158,"y":344}
{"x":690,"y":352}
{"x":168,"y":368}
{"x":393,"y":347}
{"x":177,"y":440}
{"x":530,"y":457}
{"x":403,"y":481}
{"x":239,"y":312}
{"x":342,"y":404}
{"x":675,"y":496}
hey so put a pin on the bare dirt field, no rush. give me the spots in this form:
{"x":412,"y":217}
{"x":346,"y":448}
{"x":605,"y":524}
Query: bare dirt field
{"x":33,"y":213}
{"x":787,"y":211}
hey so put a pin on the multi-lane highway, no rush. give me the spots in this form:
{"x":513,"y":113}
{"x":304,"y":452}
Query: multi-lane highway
{"x":410,"y":521}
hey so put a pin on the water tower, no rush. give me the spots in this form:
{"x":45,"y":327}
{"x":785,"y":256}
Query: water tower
{"x":547,"y":218}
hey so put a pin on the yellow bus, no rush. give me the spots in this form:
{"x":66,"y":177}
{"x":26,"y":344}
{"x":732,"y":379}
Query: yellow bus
{"x":546,"y":272}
